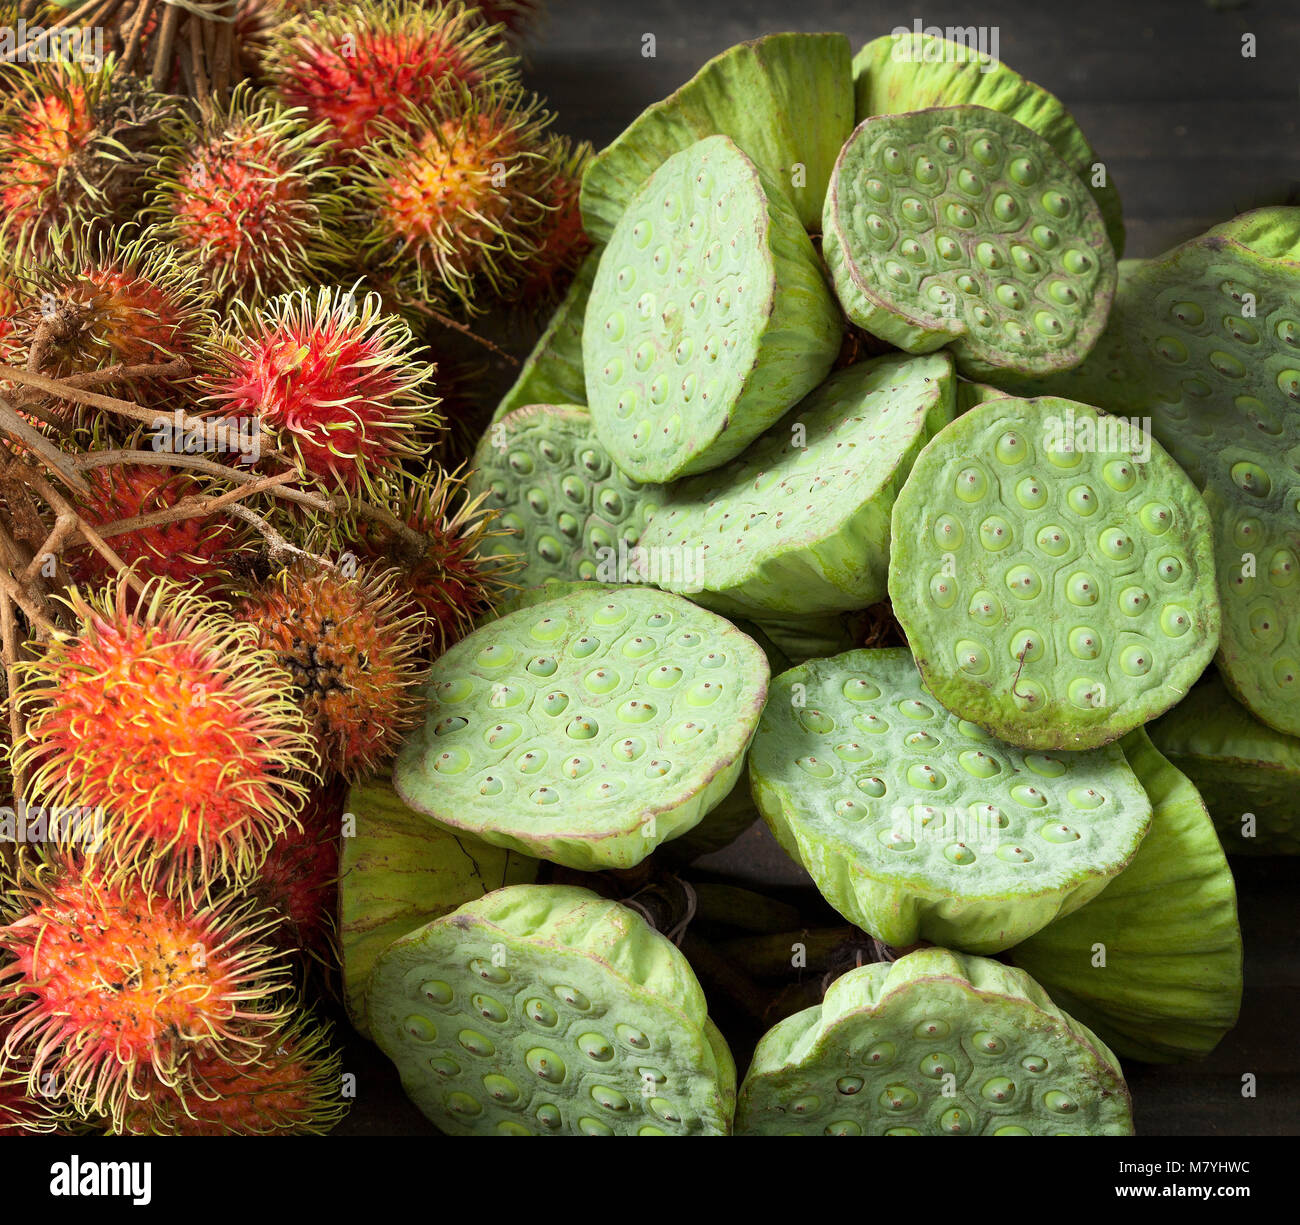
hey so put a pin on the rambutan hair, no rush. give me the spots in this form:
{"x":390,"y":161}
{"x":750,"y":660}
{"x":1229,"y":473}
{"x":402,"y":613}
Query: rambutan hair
{"x":244,"y":190}
{"x":108,"y":978}
{"x":351,"y":65}
{"x":562,"y":244}
{"x":173,"y":734}
{"x":332,"y":379}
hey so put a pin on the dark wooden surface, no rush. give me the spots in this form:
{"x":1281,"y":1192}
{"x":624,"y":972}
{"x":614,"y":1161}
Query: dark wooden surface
{"x":1193,"y":133}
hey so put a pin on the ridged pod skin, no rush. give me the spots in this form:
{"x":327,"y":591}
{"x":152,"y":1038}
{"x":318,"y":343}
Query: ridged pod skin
{"x":912,"y":72}
{"x":1171,"y":986}
{"x":243,"y":190}
{"x":352,"y":65}
{"x":197,"y":782}
{"x":331,"y":378}
{"x":75,"y":142}
{"x":398,"y":871}
{"x":939,"y":1044}
{"x":1248,"y":773}
{"x":451,"y":200}
{"x":111,"y":981}
{"x":546,"y":1010}
{"x":290,"y":1086}
{"x":350,"y":643}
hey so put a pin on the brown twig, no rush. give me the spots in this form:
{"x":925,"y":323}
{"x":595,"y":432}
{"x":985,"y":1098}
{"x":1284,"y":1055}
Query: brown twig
{"x":278,"y":547}
{"x":9,"y":638}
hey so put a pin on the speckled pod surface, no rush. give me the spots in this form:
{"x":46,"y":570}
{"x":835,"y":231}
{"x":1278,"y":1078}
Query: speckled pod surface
{"x":934,"y":1044}
{"x":546,"y":1010}
{"x":959,"y":226}
{"x":1052,"y":570}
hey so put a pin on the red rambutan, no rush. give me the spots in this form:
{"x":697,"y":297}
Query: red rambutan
{"x":108,"y":978}
{"x":351,"y":646}
{"x":562,"y":244}
{"x":330,"y":378}
{"x":164,"y":719}
{"x":245,"y":191}
{"x":354,"y":64}
{"x":74,"y":143}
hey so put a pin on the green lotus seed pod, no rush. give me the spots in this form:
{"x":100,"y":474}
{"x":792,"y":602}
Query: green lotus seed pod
{"x":552,"y":373}
{"x":970,"y":394}
{"x":959,"y":226}
{"x":709,"y":317}
{"x":934,"y":1044}
{"x":719,"y":828}
{"x":588,"y":729}
{"x":915,"y":71}
{"x":564,"y":504}
{"x":799,"y":523}
{"x":546,"y":1010}
{"x":397,"y":872}
{"x":550,"y":589}
{"x":1248,"y":773}
{"x":1051,"y":568}
{"x":917,"y":825}
{"x":786,"y":100}
{"x":1205,"y":341}
{"x":1154,"y":963}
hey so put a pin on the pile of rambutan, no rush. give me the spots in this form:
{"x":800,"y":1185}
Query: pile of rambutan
{"x":242,"y":265}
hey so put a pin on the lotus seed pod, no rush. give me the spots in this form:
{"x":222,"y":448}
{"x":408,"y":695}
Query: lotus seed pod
{"x":550,"y":589}
{"x":398,"y":872}
{"x":917,"y":825}
{"x":1205,"y":342}
{"x":588,"y":729}
{"x":799,"y":523}
{"x":1154,"y":963}
{"x":786,"y":100}
{"x":708,"y":319}
{"x":1052,"y":570}
{"x":934,"y":1044}
{"x":1248,"y":773}
{"x":959,"y":226}
{"x":719,"y":829}
{"x":912,"y":72}
{"x":970,"y":394}
{"x":561,"y":501}
{"x":552,"y":372}
{"x":546,"y":1010}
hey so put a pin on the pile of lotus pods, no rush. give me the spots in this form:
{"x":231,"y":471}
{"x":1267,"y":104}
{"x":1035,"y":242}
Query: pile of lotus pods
{"x":863,"y":490}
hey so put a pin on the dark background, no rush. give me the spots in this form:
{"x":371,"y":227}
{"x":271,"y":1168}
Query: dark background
{"x":1192,"y":133}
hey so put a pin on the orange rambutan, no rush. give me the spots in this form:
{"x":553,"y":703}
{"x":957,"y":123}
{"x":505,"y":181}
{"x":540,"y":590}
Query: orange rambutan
{"x":162,"y":721}
{"x":243,"y":189}
{"x":108,"y":978}
{"x":354,"y":64}
{"x":562,"y":244}
{"x":351,"y":644}
{"x":335,"y":380}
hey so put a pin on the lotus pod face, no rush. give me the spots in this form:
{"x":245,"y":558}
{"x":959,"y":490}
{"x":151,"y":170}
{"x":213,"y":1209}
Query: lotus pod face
{"x":561,"y":499}
{"x":1241,"y":766}
{"x":1169,"y":984}
{"x":917,"y":825}
{"x":586,"y":730}
{"x":546,"y":1010}
{"x":799,"y":523}
{"x":934,"y":1044}
{"x":959,"y":226}
{"x":911,"y":72}
{"x":552,"y":372}
{"x":397,"y":872}
{"x":1052,"y":570}
{"x":708,"y":319}
{"x":786,"y":100}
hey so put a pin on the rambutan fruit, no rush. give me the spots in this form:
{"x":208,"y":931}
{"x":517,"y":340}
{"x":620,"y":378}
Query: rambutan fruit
{"x":164,"y":719}
{"x":74,"y":143}
{"x":330,"y":378}
{"x":517,"y":16}
{"x":451,"y":579}
{"x":99,"y":300}
{"x":451,"y":199}
{"x":354,"y":64}
{"x":351,"y":645}
{"x":195,"y":551}
{"x":562,"y":244}
{"x":108,"y":978}
{"x":245,"y":191}
{"x":292,"y":1087}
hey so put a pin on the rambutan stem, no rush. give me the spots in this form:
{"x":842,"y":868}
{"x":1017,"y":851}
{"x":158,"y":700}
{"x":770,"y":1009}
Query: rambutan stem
{"x":65,"y":527}
{"x":280,"y":549}
{"x":166,"y":40}
{"x":14,"y":591}
{"x":33,"y":438}
{"x":133,"y":43}
{"x":20,"y":54}
{"x":9,"y":644}
{"x":195,"y":506}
